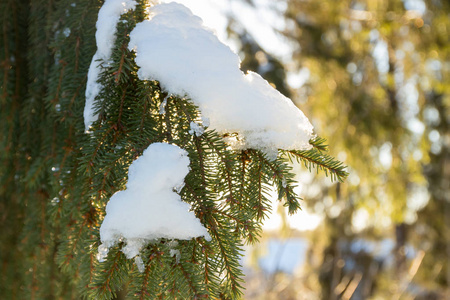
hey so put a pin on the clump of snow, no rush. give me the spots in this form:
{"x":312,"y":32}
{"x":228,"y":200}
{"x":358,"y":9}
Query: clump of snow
{"x":176,"y":253}
{"x":196,"y":129}
{"x":108,"y":17}
{"x":175,"y":48}
{"x":139,"y":264}
{"x":149,"y":209}
{"x":162,"y":107}
{"x":102,"y":252}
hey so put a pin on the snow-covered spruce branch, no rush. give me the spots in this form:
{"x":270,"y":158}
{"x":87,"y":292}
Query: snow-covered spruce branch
{"x":183,"y":162}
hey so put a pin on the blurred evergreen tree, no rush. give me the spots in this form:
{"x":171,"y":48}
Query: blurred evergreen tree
{"x":379,"y":83}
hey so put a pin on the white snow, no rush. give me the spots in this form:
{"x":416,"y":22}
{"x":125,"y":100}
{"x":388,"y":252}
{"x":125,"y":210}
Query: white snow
{"x":176,"y":253}
{"x":196,"y":129}
{"x":108,"y":17}
{"x":149,"y":208}
{"x":139,"y":264}
{"x":174,"y":48}
{"x":162,"y":108}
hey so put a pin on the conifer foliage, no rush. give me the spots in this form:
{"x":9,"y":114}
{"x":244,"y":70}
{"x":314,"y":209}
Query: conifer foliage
{"x":56,"y":178}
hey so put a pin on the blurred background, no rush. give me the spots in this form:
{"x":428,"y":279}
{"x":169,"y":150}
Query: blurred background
{"x":373,"y":78}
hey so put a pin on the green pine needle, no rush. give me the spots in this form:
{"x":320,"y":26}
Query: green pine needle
{"x":315,"y":158}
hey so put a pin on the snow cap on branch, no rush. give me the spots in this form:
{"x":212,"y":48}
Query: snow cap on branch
{"x":149,"y":208}
{"x":105,"y":36}
{"x":175,"y":48}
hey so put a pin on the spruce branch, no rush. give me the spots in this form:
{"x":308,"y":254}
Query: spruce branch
{"x":229,"y":252}
{"x":109,"y":279}
{"x":319,"y":143}
{"x":315,"y":158}
{"x":282,"y":176}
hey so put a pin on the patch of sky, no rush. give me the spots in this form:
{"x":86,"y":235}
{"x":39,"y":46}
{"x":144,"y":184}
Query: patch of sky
{"x":418,"y":198}
{"x":431,"y":116}
{"x":381,"y":55}
{"x":434,"y":67}
{"x":297,"y":79}
{"x":360,"y":220}
{"x":285,"y":256}
{"x":416,"y":126}
{"x":352,"y":68}
{"x":385,"y":155}
{"x":418,"y":6}
{"x":263,"y":21}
